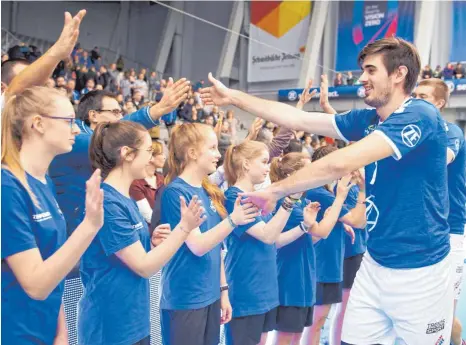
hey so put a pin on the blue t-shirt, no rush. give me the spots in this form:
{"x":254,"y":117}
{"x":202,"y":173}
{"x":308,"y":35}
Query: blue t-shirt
{"x":296,"y":263}
{"x":329,"y":251}
{"x":360,"y":235}
{"x":24,"y":226}
{"x":114,"y":308}
{"x":70,"y":171}
{"x":189,"y":281}
{"x":250,"y":266}
{"x":456,"y":180}
{"x":407,"y":199}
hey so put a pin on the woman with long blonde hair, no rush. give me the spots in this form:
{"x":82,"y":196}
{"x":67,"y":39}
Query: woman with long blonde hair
{"x":38,"y":125}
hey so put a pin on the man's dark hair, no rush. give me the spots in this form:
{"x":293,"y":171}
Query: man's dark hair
{"x":92,"y":101}
{"x":396,"y":52}
{"x":8,"y":69}
{"x":295,"y":145}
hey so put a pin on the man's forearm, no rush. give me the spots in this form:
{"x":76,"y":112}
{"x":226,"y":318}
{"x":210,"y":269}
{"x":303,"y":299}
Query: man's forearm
{"x":285,"y":115}
{"x":35,"y":74}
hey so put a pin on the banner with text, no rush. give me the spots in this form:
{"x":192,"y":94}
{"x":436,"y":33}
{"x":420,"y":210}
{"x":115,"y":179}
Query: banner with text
{"x":458,"y":45}
{"x":363,"y":22}
{"x":282,"y":27}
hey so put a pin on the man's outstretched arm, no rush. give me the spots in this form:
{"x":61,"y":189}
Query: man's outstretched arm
{"x":279,"y":113}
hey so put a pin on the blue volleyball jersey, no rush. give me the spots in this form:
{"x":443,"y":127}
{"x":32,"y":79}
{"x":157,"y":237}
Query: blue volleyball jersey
{"x":456,"y":179}
{"x":407,"y":199}
{"x":26,"y":226}
{"x":189,"y":281}
{"x":250,"y":267}
{"x":296,"y":265}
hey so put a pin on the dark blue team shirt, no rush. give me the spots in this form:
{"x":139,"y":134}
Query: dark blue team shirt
{"x":456,"y":180}
{"x":70,"y":171}
{"x":296,"y":264}
{"x":189,"y":281}
{"x":407,"y":198}
{"x":330,"y":251}
{"x":27,"y":321}
{"x":114,"y":308}
{"x":360,"y":235}
{"x":250,"y":266}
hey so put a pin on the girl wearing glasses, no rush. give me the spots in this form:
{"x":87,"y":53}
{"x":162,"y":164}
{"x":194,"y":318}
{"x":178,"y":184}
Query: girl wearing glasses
{"x":114,"y":308}
{"x":194,"y":298}
{"x":37,"y":125}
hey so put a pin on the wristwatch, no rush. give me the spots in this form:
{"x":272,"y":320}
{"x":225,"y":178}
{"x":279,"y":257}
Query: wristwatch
{"x":223,"y":288}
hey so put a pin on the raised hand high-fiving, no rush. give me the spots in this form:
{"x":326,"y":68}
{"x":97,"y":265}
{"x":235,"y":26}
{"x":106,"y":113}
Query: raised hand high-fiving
{"x":217,"y":94}
{"x":69,"y":35}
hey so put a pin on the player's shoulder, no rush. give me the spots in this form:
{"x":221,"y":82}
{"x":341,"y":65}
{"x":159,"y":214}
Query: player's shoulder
{"x":454,"y":130}
{"x":419,"y":107}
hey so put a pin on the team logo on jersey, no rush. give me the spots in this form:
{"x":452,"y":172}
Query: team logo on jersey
{"x":41,"y":217}
{"x":372,"y":214}
{"x":369,"y":130}
{"x":137,"y":226}
{"x":440,"y":340}
{"x":457,"y":144}
{"x":362,"y":92}
{"x":411,"y":135}
{"x":292,"y":95}
{"x":435,"y":327}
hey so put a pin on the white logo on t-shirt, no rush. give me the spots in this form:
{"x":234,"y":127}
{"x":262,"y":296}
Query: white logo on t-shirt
{"x":372,"y":214}
{"x":411,"y":135}
{"x":137,"y":226}
{"x":40,"y":217}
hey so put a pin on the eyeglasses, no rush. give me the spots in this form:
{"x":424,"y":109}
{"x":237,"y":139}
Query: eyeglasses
{"x":115,"y":112}
{"x":70,"y":120}
{"x":151,"y":150}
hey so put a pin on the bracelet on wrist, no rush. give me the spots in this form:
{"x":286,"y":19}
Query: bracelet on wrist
{"x":360,"y":201}
{"x":287,"y":205}
{"x":232,"y":223}
{"x":304,"y":227}
{"x":182,"y":228}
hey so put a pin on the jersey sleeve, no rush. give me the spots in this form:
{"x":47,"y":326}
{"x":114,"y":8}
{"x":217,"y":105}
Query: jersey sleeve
{"x":407,"y":128}
{"x":455,"y":139}
{"x":143,"y":117}
{"x":171,"y":209}
{"x":17,"y":233}
{"x":117,"y":232}
{"x":230,"y":199}
{"x":351,"y":124}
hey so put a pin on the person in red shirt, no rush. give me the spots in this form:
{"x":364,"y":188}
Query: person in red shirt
{"x":143,"y":191}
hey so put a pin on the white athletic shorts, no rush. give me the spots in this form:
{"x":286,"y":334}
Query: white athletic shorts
{"x":457,"y":256}
{"x":414,"y":306}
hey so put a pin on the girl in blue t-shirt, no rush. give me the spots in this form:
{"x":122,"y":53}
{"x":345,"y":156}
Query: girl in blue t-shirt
{"x":296,"y":256}
{"x":330,"y":251}
{"x":194,"y":299}
{"x":114,"y":308}
{"x":251,"y":254}
{"x":37,"y":125}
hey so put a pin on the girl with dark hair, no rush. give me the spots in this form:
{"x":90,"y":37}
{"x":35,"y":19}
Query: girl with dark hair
{"x":114,"y":308}
{"x":37,"y":125}
{"x":194,"y":298}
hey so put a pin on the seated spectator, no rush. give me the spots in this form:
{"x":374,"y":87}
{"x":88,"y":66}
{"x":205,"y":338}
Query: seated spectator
{"x":426,"y":72}
{"x":338,"y":81}
{"x":141,"y":86}
{"x":95,"y":55}
{"x":459,"y":71}
{"x":448,"y":72}
{"x":85,"y":60}
{"x":351,"y":80}
{"x":209,"y":120}
{"x":61,"y":81}
{"x":90,"y":86}
{"x":154,"y":85}
{"x":129,"y":107}
{"x":120,"y":99}
{"x":137,"y":99}
{"x":50,"y":83}
{"x":75,"y":95}
{"x":144,"y":191}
